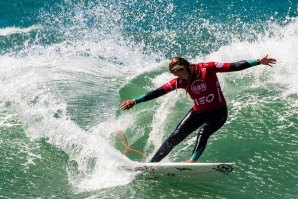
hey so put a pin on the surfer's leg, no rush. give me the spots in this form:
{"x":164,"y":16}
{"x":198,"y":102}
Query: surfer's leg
{"x":214,"y":121}
{"x":188,"y":124}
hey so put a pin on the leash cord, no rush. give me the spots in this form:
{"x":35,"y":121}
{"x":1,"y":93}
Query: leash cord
{"x":121,"y":135}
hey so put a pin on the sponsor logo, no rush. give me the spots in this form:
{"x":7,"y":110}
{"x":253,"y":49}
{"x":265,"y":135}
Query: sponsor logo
{"x":224,"y":168}
{"x":198,"y":86}
{"x":203,"y":100}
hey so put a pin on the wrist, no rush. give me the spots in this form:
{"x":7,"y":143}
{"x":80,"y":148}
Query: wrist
{"x":254,"y":62}
{"x":139,"y":99}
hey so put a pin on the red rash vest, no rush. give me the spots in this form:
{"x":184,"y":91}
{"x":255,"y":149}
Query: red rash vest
{"x":204,"y":90}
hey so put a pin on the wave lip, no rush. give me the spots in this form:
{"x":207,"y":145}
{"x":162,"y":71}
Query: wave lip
{"x":17,"y":30}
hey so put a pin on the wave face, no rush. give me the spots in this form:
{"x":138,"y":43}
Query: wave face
{"x":65,"y":66}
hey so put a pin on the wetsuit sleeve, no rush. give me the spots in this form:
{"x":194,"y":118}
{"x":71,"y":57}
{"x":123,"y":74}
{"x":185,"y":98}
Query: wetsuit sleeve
{"x":150,"y":95}
{"x":241,"y":65}
{"x":170,"y":86}
{"x":236,"y":66}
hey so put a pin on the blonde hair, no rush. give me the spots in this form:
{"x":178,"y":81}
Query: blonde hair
{"x":175,"y":62}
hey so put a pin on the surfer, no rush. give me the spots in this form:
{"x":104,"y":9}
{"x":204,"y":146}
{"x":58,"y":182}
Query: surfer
{"x":209,"y":112}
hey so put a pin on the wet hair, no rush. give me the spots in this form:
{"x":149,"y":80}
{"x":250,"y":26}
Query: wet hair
{"x":177,"y":63}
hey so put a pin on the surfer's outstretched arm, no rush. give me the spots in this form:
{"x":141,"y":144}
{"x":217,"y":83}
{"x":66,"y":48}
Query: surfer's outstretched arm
{"x":244,"y":64}
{"x":241,"y":65}
{"x":126,"y":105}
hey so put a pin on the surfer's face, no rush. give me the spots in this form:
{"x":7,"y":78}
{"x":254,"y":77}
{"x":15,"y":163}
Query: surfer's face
{"x":181,"y":73}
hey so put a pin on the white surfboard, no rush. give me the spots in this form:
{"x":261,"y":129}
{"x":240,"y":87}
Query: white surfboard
{"x":196,"y":171}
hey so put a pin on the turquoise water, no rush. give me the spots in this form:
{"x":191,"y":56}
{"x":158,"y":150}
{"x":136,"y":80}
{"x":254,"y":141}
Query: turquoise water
{"x":65,"y":66}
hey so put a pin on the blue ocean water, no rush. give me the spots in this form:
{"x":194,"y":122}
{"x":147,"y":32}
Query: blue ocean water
{"x":66,"y":65}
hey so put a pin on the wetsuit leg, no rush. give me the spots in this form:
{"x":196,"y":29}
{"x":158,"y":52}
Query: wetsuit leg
{"x":213,"y":121}
{"x":188,"y":124}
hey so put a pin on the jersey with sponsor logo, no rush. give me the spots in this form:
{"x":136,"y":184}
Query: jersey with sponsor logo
{"x":204,"y":90}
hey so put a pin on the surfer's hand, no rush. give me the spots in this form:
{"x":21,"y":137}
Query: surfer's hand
{"x":267,"y":61}
{"x":128,"y":104}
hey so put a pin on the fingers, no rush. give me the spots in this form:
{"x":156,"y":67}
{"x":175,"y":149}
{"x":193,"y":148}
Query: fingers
{"x":126,"y":105}
{"x":271,"y":61}
{"x":268,"y":61}
{"x":123,"y":106}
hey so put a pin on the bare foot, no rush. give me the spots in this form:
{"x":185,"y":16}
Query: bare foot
{"x":190,"y":161}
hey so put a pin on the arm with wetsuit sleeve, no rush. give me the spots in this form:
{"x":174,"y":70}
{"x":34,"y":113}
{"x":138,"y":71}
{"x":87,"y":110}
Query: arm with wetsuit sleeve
{"x":164,"y":89}
{"x":168,"y":87}
{"x":128,"y":104}
{"x":236,"y":66}
{"x":241,"y":65}
{"x":150,"y":95}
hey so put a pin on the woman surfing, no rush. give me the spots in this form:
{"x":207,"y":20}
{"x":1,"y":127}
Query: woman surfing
{"x":209,"y":112}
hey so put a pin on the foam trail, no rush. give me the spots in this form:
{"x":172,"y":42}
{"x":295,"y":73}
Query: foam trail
{"x":32,"y":85}
{"x":15,"y":30}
